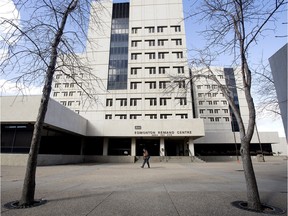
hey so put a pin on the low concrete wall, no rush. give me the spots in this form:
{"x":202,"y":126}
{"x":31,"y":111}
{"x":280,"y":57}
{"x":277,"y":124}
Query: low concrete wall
{"x":234,"y":158}
{"x":43,"y":160}
{"x":14,"y":159}
{"x":46,"y":160}
{"x":109,"y":159}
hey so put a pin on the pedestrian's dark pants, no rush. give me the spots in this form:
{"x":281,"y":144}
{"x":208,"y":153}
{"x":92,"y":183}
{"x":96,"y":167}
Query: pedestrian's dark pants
{"x":146,"y":160}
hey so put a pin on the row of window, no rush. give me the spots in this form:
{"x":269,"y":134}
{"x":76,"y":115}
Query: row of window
{"x":67,"y":85}
{"x":216,"y":119}
{"x":209,"y":94}
{"x":203,"y":111}
{"x":160,"y":42}
{"x":161,"y":70}
{"x":162,"y":84}
{"x":67,"y":76}
{"x":152,"y":101}
{"x":153,"y":29}
{"x":149,"y":116}
{"x":224,"y":102}
{"x":66,"y":93}
{"x":70,"y":103}
{"x":152,"y":55}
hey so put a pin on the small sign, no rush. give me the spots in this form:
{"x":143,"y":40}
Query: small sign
{"x":138,"y":127}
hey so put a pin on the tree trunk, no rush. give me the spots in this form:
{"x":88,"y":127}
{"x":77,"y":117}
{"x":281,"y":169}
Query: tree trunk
{"x":28,"y":190}
{"x":253,"y":198}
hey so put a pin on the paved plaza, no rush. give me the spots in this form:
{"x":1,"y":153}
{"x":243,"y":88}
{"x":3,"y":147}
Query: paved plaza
{"x":126,"y":189}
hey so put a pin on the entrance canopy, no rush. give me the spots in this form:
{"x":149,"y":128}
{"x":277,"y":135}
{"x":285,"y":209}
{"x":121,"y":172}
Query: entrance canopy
{"x":148,"y":128}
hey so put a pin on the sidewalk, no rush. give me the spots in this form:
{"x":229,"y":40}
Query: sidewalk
{"x":126,"y":189}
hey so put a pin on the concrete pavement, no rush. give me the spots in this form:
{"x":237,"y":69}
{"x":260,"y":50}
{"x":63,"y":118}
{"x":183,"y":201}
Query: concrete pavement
{"x":126,"y":189}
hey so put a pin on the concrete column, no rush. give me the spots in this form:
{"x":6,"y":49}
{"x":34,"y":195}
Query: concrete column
{"x":191,"y":147}
{"x":133,"y":146}
{"x":162,"y":146}
{"x":105,"y":146}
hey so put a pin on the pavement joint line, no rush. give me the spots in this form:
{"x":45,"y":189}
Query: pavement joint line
{"x":171,"y":200}
{"x":100,"y":203}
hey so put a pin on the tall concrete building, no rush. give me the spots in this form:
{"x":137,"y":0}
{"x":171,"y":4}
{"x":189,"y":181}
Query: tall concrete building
{"x":144,"y":99}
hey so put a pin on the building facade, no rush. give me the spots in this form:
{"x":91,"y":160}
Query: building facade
{"x":145,"y":97}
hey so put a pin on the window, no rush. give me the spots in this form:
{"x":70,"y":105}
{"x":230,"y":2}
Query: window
{"x":70,"y":103}
{"x":211,"y":119}
{"x":152,"y":70}
{"x":208,"y":94}
{"x":201,"y":111}
{"x":134,"y":116}
{"x":135,"y":30}
{"x":182,"y":116}
{"x":121,"y":116}
{"x":220,"y":76}
{"x":179,"y":69}
{"x":80,"y":93}
{"x":152,"y":101}
{"x":151,"y":116}
{"x":225,"y":110}
{"x":214,"y":86}
{"x":165,"y":116}
{"x":72,"y":85}
{"x":63,"y":103}
{"x":199,"y":86}
{"x":133,"y":85}
{"x":161,"y":28}
{"x":151,"y":55}
{"x":150,"y":29}
{"x":214,"y":94}
{"x":181,"y":84}
{"x":177,"y":28}
{"x":134,"y":43}
{"x":57,"y":85}
{"x":183,"y":101}
{"x":71,"y":93}
{"x":226,"y":119}
{"x":163,"y":101}
{"x":77,"y":111}
{"x":65,"y":94}
{"x":215,"y":102}
{"x":162,"y":70}
{"x":178,"y":42}
{"x":134,"y":71}
{"x":207,"y":86}
{"x":109,"y":102}
{"x":134,"y":56}
{"x":163,"y":84}
{"x":55,"y":94}
{"x":216,"y":110}
{"x":217,"y":119}
{"x":108,"y":116}
{"x":123,"y":101}
{"x":150,"y":42}
{"x":200,"y":102}
{"x":209,"y":102}
{"x":66,"y":85}
{"x":161,"y":55}
{"x":224,"y":102}
{"x":178,"y":54}
{"x":210,"y":110}
{"x":152,"y":85}
{"x":78,"y":102}
{"x":161,"y":42}
{"x":133,"y":101}
{"x":58,"y":76}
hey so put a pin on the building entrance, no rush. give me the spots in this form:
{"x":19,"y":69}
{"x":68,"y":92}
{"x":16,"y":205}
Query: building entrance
{"x":152,"y":145}
{"x":174,"y":148}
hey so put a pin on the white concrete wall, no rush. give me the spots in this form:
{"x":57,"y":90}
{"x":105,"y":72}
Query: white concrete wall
{"x":278,"y":64}
{"x":25,"y":109}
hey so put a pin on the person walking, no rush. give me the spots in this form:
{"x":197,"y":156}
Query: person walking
{"x":146,"y":158}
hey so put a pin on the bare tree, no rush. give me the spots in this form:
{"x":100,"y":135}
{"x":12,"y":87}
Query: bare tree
{"x":232,"y":26}
{"x":47,"y":40}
